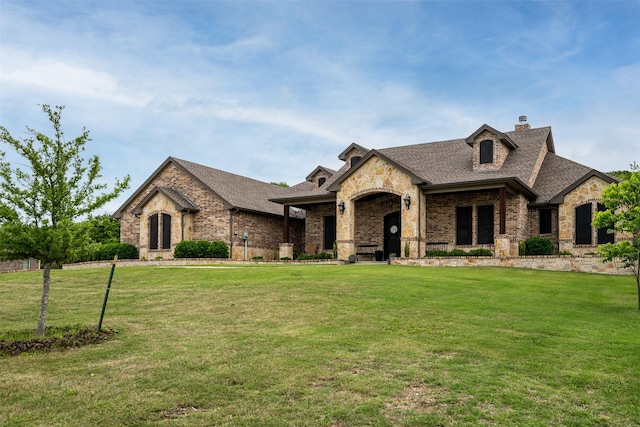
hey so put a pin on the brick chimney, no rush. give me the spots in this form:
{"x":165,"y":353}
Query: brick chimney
{"x":523,"y":125}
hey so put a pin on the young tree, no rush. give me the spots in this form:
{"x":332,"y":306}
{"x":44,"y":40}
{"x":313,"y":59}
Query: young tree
{"x":40,"y":202}
{"x":622,"y":201}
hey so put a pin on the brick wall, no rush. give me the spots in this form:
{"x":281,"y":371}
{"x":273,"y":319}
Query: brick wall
{"x":314,"y":233}
{"x":213,"y":221}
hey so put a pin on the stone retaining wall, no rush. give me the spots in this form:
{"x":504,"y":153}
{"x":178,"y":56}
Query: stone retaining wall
{"x":585,"y":264}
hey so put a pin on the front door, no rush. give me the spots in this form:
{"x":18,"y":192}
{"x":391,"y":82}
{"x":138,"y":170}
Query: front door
{"x":392,"y":233}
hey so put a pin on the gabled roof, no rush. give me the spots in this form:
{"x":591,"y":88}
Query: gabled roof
{"x":415,"y":178}
{"x":343,"y":156}
{"x":504,"y":138}
{"x":328,"y":171}
{"x":181,"y":201}
{"x":444,"y":164}
{"x":235,"y":191}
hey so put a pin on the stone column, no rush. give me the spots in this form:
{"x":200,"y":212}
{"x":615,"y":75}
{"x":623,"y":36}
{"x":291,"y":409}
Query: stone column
{"x":286,"y":250}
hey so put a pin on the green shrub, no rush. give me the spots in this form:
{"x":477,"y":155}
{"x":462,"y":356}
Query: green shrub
{"x":565,"y":253}
{"x":185,"y":249}
{"x":458,"y":252}
{"x":219,"y":249}
{"x":538,"y":246}
{"x":285,"y":258}
{"x":304,"y":257}
{"x":436,"y":252}
{"x":257,"y":258}
{"x":201,"y":249}
{"x":480,"y":252}
{"x":323,"y":255}
{"x":109,"y":250}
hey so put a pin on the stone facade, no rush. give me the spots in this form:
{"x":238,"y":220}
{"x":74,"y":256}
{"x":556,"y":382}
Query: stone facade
{"x":589,"y":191}
{"x":375,"y":177}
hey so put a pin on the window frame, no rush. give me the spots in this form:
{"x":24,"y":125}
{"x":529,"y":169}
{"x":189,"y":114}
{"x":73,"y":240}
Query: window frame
{"x":545,"y":222}
{"x":485,"y":224}
{"x":486,"y":149}
{"x":464,"y":236}
{"x":583,"y":215}
{"x":154,"y":223}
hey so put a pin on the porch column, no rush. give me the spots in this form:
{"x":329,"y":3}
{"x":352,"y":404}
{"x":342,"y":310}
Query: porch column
{"x":503,"y":210}
{"x":285,"y":231}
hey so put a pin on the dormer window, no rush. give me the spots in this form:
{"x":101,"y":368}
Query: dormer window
{"x":355,"y":160}
{"x":486,"y":151}
{"x":321,"y":181}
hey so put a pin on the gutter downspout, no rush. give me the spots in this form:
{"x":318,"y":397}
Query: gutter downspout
{"x":231,"y":212}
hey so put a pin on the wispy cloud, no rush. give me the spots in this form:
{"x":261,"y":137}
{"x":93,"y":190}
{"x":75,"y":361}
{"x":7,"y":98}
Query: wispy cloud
{"x":285,"y":86}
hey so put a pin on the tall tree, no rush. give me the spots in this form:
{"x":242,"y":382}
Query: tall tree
{"x":622,"y":215}
{"x":40,"y":202}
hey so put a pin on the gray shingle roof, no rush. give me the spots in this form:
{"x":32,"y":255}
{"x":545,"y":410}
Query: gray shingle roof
{"x":237,"y":191}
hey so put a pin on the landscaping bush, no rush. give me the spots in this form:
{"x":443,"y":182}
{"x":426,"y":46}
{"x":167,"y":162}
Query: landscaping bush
{"x":306,"y":257}
{"x":201,"y":249}
{"x":480,"y":252}
{"x":436,"y":253}
{"x":538,"y":246}
{"x":108,"y":251}
{"x":458,"y":252}
{"x":185,"y":249}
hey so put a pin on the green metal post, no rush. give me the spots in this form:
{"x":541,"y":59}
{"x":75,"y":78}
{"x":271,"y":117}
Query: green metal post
{"x":106,"y":295}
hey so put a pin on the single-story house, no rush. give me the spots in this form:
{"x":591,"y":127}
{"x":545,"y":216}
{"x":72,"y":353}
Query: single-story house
{"x":490,"y":190}
{"x":182,"y":200}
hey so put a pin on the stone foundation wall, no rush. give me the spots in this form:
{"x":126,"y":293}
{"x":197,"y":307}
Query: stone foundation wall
{"x":586,"y":264}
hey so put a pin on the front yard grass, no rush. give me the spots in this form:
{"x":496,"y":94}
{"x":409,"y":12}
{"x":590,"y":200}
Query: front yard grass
{"x":328,"y":346}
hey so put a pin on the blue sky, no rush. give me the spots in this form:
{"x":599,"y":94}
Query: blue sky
{"x":271,"y":90}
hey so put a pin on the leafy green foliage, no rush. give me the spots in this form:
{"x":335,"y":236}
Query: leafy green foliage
{"x":103,"y":229}
{"x":458,"y":252}
{"x":622,"y":215}
{"x":538,"y":246}
{"x":42,"y":198}
{"x":201,"y":249}
{"x":108,"y":251}
{"x":307,"y":257}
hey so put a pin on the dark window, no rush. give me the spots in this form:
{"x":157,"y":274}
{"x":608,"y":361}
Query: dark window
{"x":486,"y":151}
{"x":355,"y":160}
{"x":463,"y":225}
{"x":153,"y":231}
{"x":485,"y":224}
{"x":603,"y":236}
{"x":329,"y":232}
{"x":545,"y":221}
{"x":166,"y":231}
{"x":583,"y":224}
{"x":321,"y":181}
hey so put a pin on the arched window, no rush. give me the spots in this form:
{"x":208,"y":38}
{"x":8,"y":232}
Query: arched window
{"x":486,"y":151}
{"x":355,"y":160}
{"x":155,"y":227}
{"x":153,"y":231}
{"x":583,"y":224}
{"x":321,"y":181}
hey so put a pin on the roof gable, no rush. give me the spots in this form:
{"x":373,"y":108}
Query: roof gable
{"x":235,"y":191}
{"x":502,"y":137}
{"x":181,"y":201}
{"x":353,"y":147}
{"x":559,"y":198}
{"x":320,"y":170}
{"x":415,"y":179}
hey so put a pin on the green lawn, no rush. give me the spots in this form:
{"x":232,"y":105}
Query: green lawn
{"x":328,"y":346}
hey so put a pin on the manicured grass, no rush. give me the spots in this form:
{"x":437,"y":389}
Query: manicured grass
{"x":328,"y":346}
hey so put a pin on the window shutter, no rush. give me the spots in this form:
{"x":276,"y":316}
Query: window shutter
{"x":463,"y":225}
{"x":153,"y":231}
{"x":166,"y":231}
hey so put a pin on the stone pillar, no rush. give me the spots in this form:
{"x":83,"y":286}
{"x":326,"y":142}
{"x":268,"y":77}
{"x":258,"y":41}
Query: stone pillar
{"x":503,"y":246}
{"x":286,"y":250}
{"x":345,"y":231}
